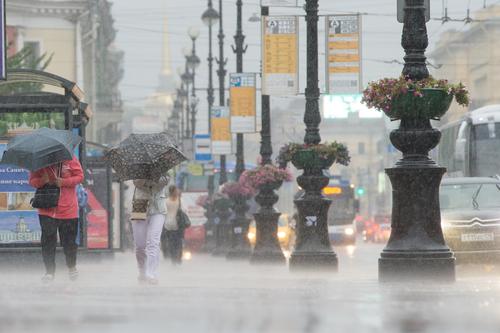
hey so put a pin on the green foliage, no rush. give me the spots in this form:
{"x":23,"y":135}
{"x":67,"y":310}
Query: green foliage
{"x":25,"y":59}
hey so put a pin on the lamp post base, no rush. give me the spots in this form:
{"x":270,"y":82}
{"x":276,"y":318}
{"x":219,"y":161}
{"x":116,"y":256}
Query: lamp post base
{"x":241,"y":248}
{"x":321,"y":261}
{"x":401,"y":266}
{"x":267,"y":248}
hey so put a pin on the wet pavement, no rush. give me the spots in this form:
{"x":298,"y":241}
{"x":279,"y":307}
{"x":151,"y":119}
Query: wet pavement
{"x":210,"y":294}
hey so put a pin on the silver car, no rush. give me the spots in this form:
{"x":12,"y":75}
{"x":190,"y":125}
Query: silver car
{"x":470,"y":218}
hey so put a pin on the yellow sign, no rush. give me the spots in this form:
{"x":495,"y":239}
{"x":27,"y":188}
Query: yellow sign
{"x":343,"y":54}
{"x":243,"y":102}
{"x":332,"y":190}
{"x":221,"y":131}
{"x":280,"y":54}
{"x":195,"y":169}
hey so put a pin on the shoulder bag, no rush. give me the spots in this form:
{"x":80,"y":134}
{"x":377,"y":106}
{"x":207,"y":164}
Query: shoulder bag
{"x":47,"y":196}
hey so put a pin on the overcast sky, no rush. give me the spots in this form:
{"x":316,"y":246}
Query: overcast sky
{"x":139,"y":25}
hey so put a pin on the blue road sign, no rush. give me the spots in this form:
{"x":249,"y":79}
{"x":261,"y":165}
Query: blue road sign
{"x":202,"y":148}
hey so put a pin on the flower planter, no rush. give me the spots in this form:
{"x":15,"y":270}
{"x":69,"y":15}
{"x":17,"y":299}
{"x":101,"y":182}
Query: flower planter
{"x":271,"y":186}
{"x":223,"y":204}
{"x":310,"y":159}
{"x":433,"y":104}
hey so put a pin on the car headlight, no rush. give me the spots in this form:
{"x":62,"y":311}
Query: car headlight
{"x":349,"y":231}
{"x":281,"y":234}
{"x":445,"y":224}
{"x":251,"y":235}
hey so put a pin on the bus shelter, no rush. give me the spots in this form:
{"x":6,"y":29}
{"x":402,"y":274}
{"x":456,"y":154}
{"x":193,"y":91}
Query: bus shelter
{"x":31,"y":99}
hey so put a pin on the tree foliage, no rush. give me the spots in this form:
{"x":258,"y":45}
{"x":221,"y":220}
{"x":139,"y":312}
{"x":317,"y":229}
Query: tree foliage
{"x":25,"y":59}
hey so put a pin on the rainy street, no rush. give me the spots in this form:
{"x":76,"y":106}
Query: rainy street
{"x":210,"y":294}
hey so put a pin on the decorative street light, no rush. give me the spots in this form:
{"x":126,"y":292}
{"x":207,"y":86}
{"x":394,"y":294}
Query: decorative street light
{"x":221,"y":72}
{"x":240,"y":245}
{"x":267,"y":247}
{"x":209,"y":18}
{"x":313,"y":248}
{"x":193,"y":63}
{"x":416,"y":248}
{"x":188,"y":79}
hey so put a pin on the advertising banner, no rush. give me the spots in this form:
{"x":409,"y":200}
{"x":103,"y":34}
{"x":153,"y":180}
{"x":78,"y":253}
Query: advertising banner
{"x":243,"y":91}
{"x":280,"y":55}
{"x":19,"y":222}
{"x":221,"y":131}
{"x":343,"y":54}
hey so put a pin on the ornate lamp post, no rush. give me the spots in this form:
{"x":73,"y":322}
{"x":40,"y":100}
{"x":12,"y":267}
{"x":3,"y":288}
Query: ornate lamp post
{"x":221,"y":73}
{"x":416,"y":248}
{"x":188,"y":79}
{"x":267,"y":247}
{"x":209,"y":18}
{"x":240,"y":245}
{"x":193,"y":63}
{"x":313,"y":248}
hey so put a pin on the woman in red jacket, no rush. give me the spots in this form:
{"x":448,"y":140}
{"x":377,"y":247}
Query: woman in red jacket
{"x":63,"y":218}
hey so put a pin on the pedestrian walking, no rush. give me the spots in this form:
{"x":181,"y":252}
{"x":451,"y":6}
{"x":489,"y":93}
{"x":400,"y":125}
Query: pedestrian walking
{"x":58,"y":214}
{"x":175,"y":224}
{"x":148,"y":218}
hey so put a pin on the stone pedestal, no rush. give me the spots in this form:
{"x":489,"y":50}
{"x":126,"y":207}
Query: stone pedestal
{"x":313,"y":249}
{"x":267,"y":246}
{"x":240,"y":245}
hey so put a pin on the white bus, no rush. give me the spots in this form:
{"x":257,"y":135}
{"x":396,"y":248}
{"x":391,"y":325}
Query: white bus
{"x":470,"y":147}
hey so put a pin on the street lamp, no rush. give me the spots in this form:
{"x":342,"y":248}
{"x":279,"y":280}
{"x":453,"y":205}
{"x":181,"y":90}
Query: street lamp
{"x":267,"y":247}
{"x":416,"y":248}
{"x":313,"y":248}
{"x":193,"y":63}
{"x":240,"y":245}
{"x":209,"y":18}
{"x":221,"y":72}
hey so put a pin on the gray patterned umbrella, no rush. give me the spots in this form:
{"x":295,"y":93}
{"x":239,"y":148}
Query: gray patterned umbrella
{"x":145,"y":156}
{"x":40,"y":148}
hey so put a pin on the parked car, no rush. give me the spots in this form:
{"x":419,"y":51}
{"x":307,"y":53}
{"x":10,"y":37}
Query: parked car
{"x":470,"y":217}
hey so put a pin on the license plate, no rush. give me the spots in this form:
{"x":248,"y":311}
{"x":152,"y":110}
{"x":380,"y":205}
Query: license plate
{"x":478,"y":237}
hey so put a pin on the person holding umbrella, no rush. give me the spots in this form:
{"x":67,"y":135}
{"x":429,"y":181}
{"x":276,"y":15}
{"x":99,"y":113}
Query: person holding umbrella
{"x":63,"y":218}
{"x":147,"y":231}
{"x":146,"y":159}
{"x":54,"y":172}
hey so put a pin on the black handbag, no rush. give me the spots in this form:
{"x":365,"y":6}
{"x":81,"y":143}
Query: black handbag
{"x":183,"y":221}
{"x":47,"y":196}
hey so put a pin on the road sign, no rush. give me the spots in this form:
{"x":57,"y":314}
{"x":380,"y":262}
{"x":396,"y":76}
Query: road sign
{"x":278,"y":3}
{"x":402,"y":6}
{"x":343,"y":54}
{"x":202,"y":148}
{"x":221,"y":131}
{"x":243,"y":102}
{"x":280,"y":54}
{"x":3,"y":42}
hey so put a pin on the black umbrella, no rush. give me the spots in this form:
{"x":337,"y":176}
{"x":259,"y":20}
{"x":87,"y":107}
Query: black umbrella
{"x":145,"y":156}
{"x":40,"y":148}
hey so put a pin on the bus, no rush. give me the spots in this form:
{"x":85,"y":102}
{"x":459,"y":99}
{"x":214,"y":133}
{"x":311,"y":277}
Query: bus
{"x":470,"y":146}
{"x":342,"y":212}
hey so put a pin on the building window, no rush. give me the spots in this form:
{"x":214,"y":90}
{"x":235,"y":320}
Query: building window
{"x":361,"y":148}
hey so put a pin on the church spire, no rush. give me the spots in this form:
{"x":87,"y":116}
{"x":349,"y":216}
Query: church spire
{"x":166,"y":68}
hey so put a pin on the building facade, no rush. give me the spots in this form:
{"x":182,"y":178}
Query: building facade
{"x":471,"y":56}
{"x":79,"y":36}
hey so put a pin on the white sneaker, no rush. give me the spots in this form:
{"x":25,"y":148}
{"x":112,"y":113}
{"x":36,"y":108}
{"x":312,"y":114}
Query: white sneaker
{"x":73,"y":274}
{"x":48,"y":278}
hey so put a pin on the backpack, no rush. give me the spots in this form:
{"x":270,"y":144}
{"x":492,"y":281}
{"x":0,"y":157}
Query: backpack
{"x":82,"y":195}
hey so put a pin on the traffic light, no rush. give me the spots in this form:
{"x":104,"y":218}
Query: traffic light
{"x":360,"y":191}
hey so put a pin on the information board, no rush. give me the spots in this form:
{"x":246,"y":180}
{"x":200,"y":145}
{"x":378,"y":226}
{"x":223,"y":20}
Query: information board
{"x":221,"y":131}
{"x":343,"y":54}
{"x":280,"y":55}
{"x":243,"y":92}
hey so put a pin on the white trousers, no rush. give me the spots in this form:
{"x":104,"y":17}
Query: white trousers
{"x":147,"y":235}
